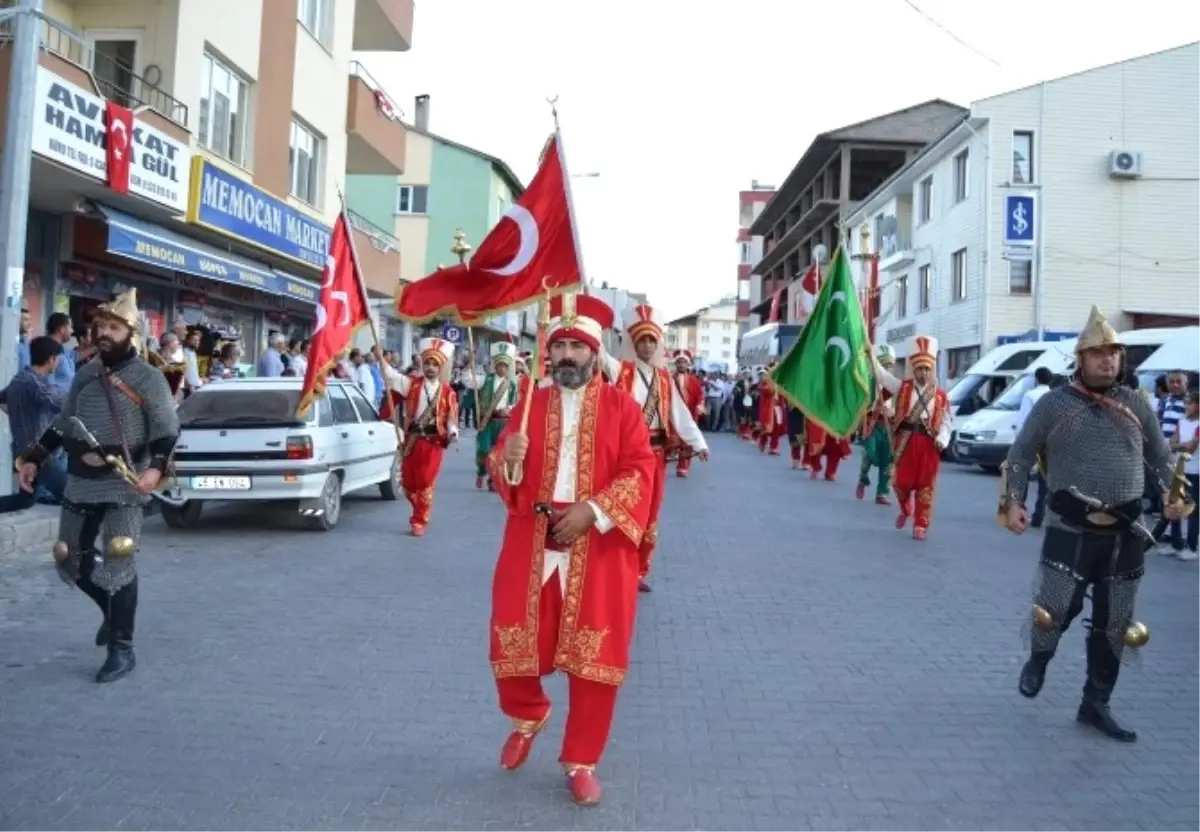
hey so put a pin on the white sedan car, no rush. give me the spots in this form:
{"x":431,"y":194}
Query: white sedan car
{"x":241,"y":441}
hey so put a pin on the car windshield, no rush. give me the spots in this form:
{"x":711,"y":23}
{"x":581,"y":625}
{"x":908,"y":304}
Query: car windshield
{"x":964,"y":387}
{"x":221,"y":405}
{"x":1010,"y":399}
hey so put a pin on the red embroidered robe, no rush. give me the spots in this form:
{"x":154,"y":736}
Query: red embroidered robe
{"x":615,"y":470}
{"x":692,"y":391}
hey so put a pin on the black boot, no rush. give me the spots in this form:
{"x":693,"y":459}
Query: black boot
{"x":101,"y":598}
{"x":1033,"y":674}
{"x":1102,"y":671}
{"x":102,"y":634}
{"x":121,"y":659}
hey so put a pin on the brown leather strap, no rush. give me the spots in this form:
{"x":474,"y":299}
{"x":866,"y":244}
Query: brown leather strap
{"x":107,"y":382}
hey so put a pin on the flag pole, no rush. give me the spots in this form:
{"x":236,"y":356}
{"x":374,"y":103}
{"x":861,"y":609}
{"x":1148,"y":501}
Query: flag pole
{"x":460,"y":249}
{"x":362,"y":287}
{"x":566,"y":177}
{"x":514,"y":475}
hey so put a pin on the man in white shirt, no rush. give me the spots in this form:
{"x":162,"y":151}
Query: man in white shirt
{"x":1043,"y":377}
{"x":364,"y":379}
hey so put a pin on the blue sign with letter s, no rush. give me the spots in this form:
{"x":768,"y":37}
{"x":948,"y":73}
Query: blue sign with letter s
{"x":1020,"y":219}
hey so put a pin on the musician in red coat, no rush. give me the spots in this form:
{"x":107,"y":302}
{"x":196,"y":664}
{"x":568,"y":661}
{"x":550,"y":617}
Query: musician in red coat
{"x":671,"y":426}
{"x":429,"y":415}
{"x":564,"y":593}
{"x":691,"y":391}
{"x":920,"y":430}
{"x":772,"y":416}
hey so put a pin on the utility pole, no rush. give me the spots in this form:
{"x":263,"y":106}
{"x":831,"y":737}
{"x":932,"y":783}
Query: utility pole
{"x":15,"y":169}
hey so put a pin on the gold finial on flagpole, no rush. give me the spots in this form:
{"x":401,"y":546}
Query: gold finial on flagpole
{"x":461,"y":248}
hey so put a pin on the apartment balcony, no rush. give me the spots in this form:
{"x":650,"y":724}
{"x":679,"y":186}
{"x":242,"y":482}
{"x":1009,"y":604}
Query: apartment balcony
{"x":101,"y":72}
{"x":383,"y":25}
{"x":375,"y":136}
{"x":378,"y":255}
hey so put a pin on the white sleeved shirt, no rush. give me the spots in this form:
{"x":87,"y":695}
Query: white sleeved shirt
{"x":681,"y":418}
{"x":892,"y":384}
{"x":564,"y":483}
{"x":1027,"y":402}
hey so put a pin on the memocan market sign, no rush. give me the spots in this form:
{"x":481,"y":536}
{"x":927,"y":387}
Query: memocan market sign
{"x":229,"y":205}
{"x":68,"y":128}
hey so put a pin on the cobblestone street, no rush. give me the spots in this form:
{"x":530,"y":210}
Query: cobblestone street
{"x":800,"y":665}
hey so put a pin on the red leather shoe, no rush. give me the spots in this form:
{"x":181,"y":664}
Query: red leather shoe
{"x":682,"y":474}
{"x":520,"y":742}
{"x":643,"y":586}
{"x":860,"y":492}
{"x":584,"y":785}
{"x":830,"y":478}
{"x":901,"y":520}
{"x":882,"y":501}
{"x":919,"y":533}
{"x":816,"y":473}
{"x":418,"y":531}
{"x":479,"y":483}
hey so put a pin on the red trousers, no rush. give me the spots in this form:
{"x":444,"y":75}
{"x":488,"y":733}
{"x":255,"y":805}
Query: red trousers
{"x":831,"y":452}
{"x":916,"y":476}
{"x":770,"y":441}
{"x":685,"y":461}
{"x":590,"y":705}
{"x":418,"y":474}
{"x":650,"y":539}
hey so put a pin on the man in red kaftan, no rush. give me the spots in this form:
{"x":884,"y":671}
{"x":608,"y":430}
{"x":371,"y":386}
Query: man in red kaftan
{"x":564,"y":593}
{"x":671,"y":426}
{"x":772,"y":416}
{"x":429,"y":416}
{"x":691,"y":392}
{"x":921,"y":430}
{"x":821,"y":446}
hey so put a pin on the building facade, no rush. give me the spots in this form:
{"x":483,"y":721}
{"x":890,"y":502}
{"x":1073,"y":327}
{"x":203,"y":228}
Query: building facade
{"x":710,"y":334}
{"x":246,"y":116}
{"x":840,"y":168}
{"x":1041,"y":202}
{"x":446,"y":187}
{"x":750,"y":247}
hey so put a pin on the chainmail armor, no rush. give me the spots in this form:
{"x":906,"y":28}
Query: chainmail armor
{"x":1090,"y":446}
{"x":108,"y":496}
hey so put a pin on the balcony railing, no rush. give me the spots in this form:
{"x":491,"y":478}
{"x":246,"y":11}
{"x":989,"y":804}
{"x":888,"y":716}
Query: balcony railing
{"x":114,"y":79}
{"x":387,"y":105}
{"x":380,"y":240}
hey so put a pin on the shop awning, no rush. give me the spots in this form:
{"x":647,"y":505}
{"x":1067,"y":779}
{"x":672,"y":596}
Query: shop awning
{"x":145,"y":242}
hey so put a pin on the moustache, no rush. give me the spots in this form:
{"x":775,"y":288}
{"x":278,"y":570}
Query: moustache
{"x":568,"y":362}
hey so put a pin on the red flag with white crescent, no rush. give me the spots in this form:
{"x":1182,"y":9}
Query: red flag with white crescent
{"x":341,"y":310}
{"x":118,"y":145}
{"x":531,"y":249}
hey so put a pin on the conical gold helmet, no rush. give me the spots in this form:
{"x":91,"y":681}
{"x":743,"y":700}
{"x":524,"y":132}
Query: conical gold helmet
{"x":1098,"y":332}
{"x":122,"y":308}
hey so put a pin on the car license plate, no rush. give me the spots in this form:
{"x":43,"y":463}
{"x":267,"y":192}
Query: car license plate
{"x":221,"y":483}
{"x":960,"y":449}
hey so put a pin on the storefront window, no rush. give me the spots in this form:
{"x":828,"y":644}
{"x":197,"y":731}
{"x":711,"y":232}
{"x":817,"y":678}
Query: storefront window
{"x":218,"y":324}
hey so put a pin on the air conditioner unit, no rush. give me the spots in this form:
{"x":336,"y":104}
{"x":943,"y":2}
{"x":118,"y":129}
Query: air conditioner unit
{"x":1124,"y":164}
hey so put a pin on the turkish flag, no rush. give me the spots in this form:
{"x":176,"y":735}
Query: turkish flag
{"x":342,"y":309}
{"x":118,"y":144}
{"x":810,"y":284}
{"x":530,"y":250}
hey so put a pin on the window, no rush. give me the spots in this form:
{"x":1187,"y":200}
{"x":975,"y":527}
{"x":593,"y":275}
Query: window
{"x":703,"y":339}
{"x":366,"y":411}
{"x":902,"y":296}
{"x":726,"y":340}
{"x":960,"y":176}
{"x":343,"y":411}
{"x":412,"y":199}
{"x":1022,"y":158}
{"x":1020,"y":277}
{"x":926,"y":199}
{"x":745,"y":253}
{"x":958,"y":268}
{"x":314,"y":15}
{"x":224,"y":105}
{"x":304,"y":160}
{"x":924,"y":287}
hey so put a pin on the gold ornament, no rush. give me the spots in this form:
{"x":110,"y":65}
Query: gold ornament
{"x":120,"y":547}
{"x":1042,"y":619}
{"x":1137,"y":634}
{"x":61,"y":552}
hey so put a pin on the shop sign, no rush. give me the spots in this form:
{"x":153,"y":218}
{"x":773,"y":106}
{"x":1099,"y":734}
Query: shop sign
{"x":230,"y":206}
{"x":68,"y":128}
{"x":138,"y":241}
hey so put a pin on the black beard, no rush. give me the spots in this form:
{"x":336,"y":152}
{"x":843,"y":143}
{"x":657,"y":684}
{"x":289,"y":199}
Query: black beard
{"x":114,"y":352}
{"x":573,"y":376}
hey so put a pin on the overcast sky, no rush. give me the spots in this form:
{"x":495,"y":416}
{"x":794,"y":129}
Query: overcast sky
{"x":679,"y":104}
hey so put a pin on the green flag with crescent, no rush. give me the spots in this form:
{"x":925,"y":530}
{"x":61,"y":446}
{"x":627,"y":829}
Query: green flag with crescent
{"x":828,"y":373}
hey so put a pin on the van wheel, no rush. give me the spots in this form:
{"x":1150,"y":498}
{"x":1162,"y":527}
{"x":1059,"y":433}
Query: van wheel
{"x":330,"y":503}
{"x":185,"y":516}
{"x":390,"y":488}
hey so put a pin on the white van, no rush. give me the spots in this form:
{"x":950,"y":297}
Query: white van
{"x":1181,"y":351}
{"x":984,"y":438}
{"x":991,"y":375}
